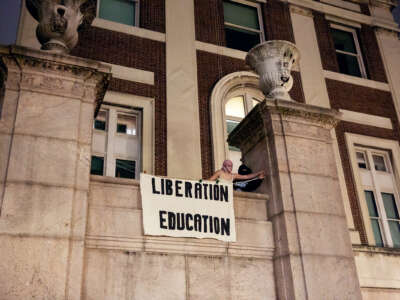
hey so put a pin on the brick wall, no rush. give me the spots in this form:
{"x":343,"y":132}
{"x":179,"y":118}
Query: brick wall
{"x":364,"y":100}
{"x":134,"y":52}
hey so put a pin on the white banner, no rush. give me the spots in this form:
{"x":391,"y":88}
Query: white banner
{"x":185,"y":208}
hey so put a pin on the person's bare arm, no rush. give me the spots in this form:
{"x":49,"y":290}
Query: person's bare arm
{"x":215,"y":176}
{"x":249,"y":176}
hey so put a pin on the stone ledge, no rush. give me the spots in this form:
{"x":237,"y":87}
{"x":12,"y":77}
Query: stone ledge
{"x":376,"y":250}
{"x":184,"y":246}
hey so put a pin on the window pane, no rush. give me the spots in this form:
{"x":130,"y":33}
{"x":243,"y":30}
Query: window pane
{"x":126,"y":124}
{"x":100,"y":121}
{"x":230,"y":125}
{"x":241,"y":39}
{"x":240,"y":14}
{"x":362,"y":164}
{"x":348,"y":64}
{"x":125,"y":168}
{"x":97,"y":165}
{"x":369,"y":196}
{"x":379,"y":162}
{"x":395,"y":232}
{"x":121,"y":11}
{"x":343,"y":40}
{"x":390,"y":206}
{"x":235,"y":107}
{"x":377,"y":232}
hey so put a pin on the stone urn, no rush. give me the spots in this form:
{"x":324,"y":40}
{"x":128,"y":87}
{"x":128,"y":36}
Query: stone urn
{"x":58,"y":23}
{"x":273,"y":61}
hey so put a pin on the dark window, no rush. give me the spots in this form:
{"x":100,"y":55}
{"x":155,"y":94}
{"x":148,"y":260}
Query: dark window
{"x":120,"y":11}
{"x":121,"y":128}
{"x":348,"y":51}
{"x":99,"y":124}
{"x":97,"y":165}
{"x":125,"y":168}
{"x":242,"y":25}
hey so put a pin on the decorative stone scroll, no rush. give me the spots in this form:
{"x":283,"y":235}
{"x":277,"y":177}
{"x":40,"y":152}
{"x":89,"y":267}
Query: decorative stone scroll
{"x":58,"y":23}
{"x":273,"y":61}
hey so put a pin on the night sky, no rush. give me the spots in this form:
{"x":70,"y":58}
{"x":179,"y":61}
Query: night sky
{"x":9,"y":16}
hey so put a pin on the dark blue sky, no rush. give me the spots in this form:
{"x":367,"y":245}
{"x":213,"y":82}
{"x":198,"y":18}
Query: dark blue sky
{"x":9,"y":16}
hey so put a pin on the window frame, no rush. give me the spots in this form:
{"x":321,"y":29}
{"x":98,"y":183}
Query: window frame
{"x":225,"y":87}
{"x":391,"y":151}
{"x":137,"y":13}
{"x":359,"y":56}
{"x":260,"y":32}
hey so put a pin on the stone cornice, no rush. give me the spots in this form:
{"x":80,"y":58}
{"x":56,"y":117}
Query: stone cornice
{"x":344,"y":13}
{"x":55,"y":74}
{"x":254,"y":127}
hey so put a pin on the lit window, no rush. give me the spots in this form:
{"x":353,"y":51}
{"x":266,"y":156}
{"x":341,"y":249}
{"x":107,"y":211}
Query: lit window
{"x":243,"y":24}
{"x":126,"y":124}
{"x":116,"y":143}
{"x":379,"y":163}
{"x":381,"y":196}
{"x":120,"y":11}
{"x":236,"y":108}
{"x":348,"y":52}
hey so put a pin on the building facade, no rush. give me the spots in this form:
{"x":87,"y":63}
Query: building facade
{"x":179,"y":87}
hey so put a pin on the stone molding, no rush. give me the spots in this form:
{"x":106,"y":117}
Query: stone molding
{"x":33,"y":70}
{"x":205,"y":247}
{"x":301,"y":11}
{"x":387,"y":32}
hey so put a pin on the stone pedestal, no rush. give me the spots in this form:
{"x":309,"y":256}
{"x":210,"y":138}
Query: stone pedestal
{"x":292,"y":141}
{"x":45,"y":136}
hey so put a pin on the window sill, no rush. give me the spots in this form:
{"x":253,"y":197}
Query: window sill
{"x":132,"y":30}
{"x":357,"y":80}
{"x":376,"y":250}
{"x":114,"y":180}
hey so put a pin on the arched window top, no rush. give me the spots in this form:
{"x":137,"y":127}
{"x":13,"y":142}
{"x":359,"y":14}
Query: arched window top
{"x":232,"y":99}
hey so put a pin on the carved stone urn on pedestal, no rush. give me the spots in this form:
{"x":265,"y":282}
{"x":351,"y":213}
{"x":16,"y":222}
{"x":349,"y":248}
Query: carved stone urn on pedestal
{"x":58,"y":23}
{"x":273,"y":61}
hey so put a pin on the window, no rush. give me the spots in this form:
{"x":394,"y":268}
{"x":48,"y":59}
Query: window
{"x":243,"y":24}
{"x":232,"y":98}
{"x":120,"y":11}
{"x":348,"y":52}
{"x":117,"y":142}
{"x":378,"y":183}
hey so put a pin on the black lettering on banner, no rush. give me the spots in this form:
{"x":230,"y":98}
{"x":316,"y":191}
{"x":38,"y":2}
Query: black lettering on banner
{"x":153,"y":184}
{"x":205,"y":190}
{"x":188,"y":189}
{"x":224,"y":193}
{"x":162,"y":219}
{"x":210,"y":191}
{"x":189,"y":227}
{"x":205,"y":223}
{"x":197,"y":190}
{"x":162,"y":187}
{"x":168,"y":186}
{"x":225,"y":226}
{"x":211,"y":224}
{"x":216,"y":192}
{"x":171,"y":220}
{"x":177,"y":188}
{"x":180,"y":221}
{"x":197,"y":222}
{"x":216,"y":225}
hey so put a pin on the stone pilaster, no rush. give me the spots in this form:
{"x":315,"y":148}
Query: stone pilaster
{"x":292,"y":141}
{"x":45,"y":136}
